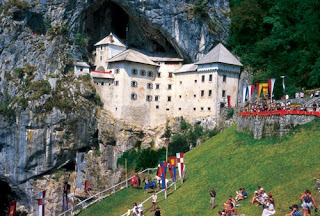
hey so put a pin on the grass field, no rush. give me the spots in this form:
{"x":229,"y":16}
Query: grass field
{"x":283,"y":166}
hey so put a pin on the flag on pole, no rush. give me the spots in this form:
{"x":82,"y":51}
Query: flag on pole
{"x":244,"y":91}
{"x":259,"y":91}
{"x":265,"y":90}
{"x":173,"y":164}
{"x":249,"y":92}
{"x":283,"y":85}
{"x":41,"y":203}
{"x":271,"y":86}
{"x":12,"y":208}
{"x":252,"y":89}
{"x":163,"y":166}
{"x":180,"y":164}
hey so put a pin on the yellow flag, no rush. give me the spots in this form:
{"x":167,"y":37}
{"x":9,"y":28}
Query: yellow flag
{"x":259,"y":91}
{"x":265,"y":90}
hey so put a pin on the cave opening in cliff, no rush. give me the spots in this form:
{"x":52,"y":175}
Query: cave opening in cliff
{"x":70,"y":166}
{"x":106,"y":16}
{"x":6,"y":196}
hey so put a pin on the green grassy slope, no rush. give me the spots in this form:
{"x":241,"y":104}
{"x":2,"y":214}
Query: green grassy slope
{"x":230,"y":160}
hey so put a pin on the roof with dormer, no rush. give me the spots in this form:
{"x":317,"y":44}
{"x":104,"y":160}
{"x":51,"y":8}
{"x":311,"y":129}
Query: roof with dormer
{"x":131,"y":55}
{"x":111,"y":39}
{"x":219,"y":54}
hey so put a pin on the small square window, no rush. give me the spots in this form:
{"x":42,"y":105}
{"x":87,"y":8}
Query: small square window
{"x":156,"y":98}
{"x":102,"y":83}
{"x":223,"y":93}
{"x":117,"y":70}
{"x":224,"y":78}
{"x":180,"y":82}
{"x":180,"y":96}
{"x":170,"y":74}
{"x":169,"y":98}
{"x":159,"y":75}
{"x":167,"y":109}
{"x":149,"y":98}
{"x":142,"y":72}
{"x":134,"y":72}
{"x":179,"y":108}
{"x":195,"y":81}
{"x":100,"y":58}
{"x":203,"y":78}
{"x":202,"y":93}
{"x":210,"y":78}
{"x":201,"y":108}
{"x":169,"y":86}
{"x":210,"y":93}
{"x":149,"y":85}
{"x":157,"y":86}
{"x":157,"y":106}
{"x":194,"y":95}
{"x":133,"y":96}
{"x":209,"y":108}
{"x":101,"y":48}
{"x":134,"y":84}
{"x":150,"y":74}
{"x":81,"y":69}
{"x":194,"y":109}
{"x":116,"y":82}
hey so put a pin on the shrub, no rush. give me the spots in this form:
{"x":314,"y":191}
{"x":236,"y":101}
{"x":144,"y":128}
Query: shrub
{"x":82,"y":39}
{"x":39,"y":88}
{"x":58,"y":29}
{"x":19,"y":72}
{"x":6,"y":110}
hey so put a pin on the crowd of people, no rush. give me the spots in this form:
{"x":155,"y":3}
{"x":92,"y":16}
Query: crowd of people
{"x":267,"y":106}
{"x":266,"y":201}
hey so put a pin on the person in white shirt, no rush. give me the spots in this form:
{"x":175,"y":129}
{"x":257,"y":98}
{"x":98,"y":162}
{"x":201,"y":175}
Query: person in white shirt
{"x":269,"y":208}
{"x":154,"y":201}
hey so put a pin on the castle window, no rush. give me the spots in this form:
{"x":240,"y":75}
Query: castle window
{"x":149,"y":85}
{"x":202,"y":93}
{"x":134,"y":84}
{"x":169,"y":98}
{"x":203,"y":78}
{"x":180,"y":82}
{"x":134,"y":72}
{"x":142,"y":72}
{"x":223,"y":93}
{"x":157,"y":86}
{"x":116,"y":82}
{"x":157,"y":106}
{"x":81,"y":69}
{"x":209,"y":108}
{"x":101,"y":48}
{"x":100,"y":58}
{"x":224,"y":78}
{"x":179,"y":108}
{"x":117,"y":70}
{"x":170,"y":74}
{"x":133,"y":96}
{"x":150,"y":74}
{"x":195,"y":81}
{"x":167,"y":109}
{"x":149,"y":98}
{"x":159,"y":75}
{"x":201,"y":108}
{"x":194,"y":108}
{"x":210,"y":78}
{"x":156,"y":98}
{"x":180,"y":96}
{"x":169,"y":86}
{"x":210,"y":93}
{"x":102,"y":83}
{"x":194,"y":95}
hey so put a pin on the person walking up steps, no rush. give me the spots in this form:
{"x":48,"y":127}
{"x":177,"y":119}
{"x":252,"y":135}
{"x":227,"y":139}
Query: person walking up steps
{"x":213,"y":196}
{"x":154,"y":201}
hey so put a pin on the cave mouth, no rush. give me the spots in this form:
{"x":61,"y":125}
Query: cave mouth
{"x":106,"y":16}
{"x":6,"y":196}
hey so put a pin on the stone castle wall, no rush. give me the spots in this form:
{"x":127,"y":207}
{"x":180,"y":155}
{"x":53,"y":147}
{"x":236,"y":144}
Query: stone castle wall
{"x":271,"y":126}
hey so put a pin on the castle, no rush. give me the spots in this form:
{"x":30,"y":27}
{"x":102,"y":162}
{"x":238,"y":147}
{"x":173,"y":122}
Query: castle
{"x":148,"y":89}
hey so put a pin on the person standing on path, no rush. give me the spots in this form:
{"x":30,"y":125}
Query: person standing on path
{"x":154,"y":201}
{"x":213,"y":196}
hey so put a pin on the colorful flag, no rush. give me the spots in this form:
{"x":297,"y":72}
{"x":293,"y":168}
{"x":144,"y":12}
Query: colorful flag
{"x":180,"y":164}
{"x":172,"y":167}
{"x":249,"y":92}
{"x":271,"y":86}
{"x":259,"y":90}
{"x":164,"y":166}
{"x":12,"y":208}
{"x":252,"y":89}
{"x":41,"y":203}
{"x":265,"y":89}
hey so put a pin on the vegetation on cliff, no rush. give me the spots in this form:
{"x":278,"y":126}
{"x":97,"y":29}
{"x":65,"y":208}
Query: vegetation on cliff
{"x":275,"y":38}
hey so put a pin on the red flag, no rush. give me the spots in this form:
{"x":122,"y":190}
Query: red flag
{"x":86,"y":185}
{"x":252,"y":88}
{"x":12,"y":208}
{"x":229,"y":99}
{"x":257,"y":87}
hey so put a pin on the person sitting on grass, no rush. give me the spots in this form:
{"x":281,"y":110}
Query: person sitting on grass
{"x":255,"y":197}
{"x":228,"y":207}
{"x":241,"y":194}
{"x":294,"y":211}
{"x":307,"y":203}
{"x":317,"y":182}
{"x":268,"y":207}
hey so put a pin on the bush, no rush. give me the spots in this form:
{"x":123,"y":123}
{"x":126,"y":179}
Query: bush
{"x":39,"y":88}
{"x":58,"y":29}
{"x":19,"y":72}
{"x":82,"y":39}
{"x":230,"y":113}
{"x":6,"y":110}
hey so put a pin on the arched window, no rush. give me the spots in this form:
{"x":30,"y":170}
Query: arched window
{"x":134,"y":72}
{"x":150,"y":74}
{"x":142,"y":72}
{"x":100,"y":68}
{"x":134,"y":84}
{"x":133,"y":96}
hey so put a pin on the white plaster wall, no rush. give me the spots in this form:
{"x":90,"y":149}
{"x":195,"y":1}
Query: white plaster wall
{"x":78,"y":72}
{"x":105,"y":91}
{"x":114,"y":50}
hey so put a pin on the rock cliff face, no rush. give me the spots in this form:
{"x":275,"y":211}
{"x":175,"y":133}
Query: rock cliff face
{"x":46,"y":114}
